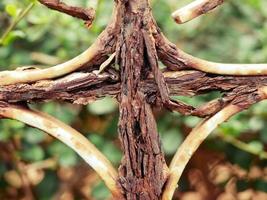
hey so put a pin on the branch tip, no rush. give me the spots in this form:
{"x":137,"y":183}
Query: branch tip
{"x":195,"y":9}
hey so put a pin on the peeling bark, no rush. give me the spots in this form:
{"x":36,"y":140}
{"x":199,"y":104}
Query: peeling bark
{"x":134,"y":42}
{"x":142,"y":169}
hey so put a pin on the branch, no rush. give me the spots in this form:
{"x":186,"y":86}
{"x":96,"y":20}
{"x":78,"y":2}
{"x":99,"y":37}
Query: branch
{"x":200,"y":133}
{"x":67,"y":135}
{"x":14,"y":23}
{"x":102,"y":46}
{"x":85,"y":87}
{"x":86,"y":14}
{"x":191,"y":144}
{"x":221,"y":68}
{"x":176,"y":59}
{"x":195,"y":9}
{"x":242,"y":145}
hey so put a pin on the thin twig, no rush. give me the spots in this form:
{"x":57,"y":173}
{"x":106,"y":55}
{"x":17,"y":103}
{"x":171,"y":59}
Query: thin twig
{"x":105,"y":64}
{"x":242,"y":145}
{"x":195,"y":9}
{"x":191,"y":144}
{"x":14,"y":23}
{"x":87,"y":14}
{"x":67,"y":135}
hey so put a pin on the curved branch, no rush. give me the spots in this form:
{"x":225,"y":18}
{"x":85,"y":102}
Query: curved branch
{"x":198,"y":135}
{"x":86,"y":14}
{"x":176,"y":59}
{"x":191,"y":144}
{"x":12,"y":77}
{"x":195,"y":9}
{"x":67,"y":135}
{"x":221,"y":68}
{"x":100,"y":46}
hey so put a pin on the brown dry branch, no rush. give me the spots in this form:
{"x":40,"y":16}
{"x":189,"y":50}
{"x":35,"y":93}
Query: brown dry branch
{"x":135,"y":43}
{"x":86,"y":14}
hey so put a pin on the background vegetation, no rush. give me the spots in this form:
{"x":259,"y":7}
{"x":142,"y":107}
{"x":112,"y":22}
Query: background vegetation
{"x":232,"y":164}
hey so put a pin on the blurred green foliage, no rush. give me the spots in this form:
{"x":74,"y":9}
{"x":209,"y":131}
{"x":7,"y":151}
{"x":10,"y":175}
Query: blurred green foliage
{"x":236,"y":32}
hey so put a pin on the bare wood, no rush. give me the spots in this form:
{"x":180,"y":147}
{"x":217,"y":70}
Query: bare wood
{"x":195,"y":9}
{"x":176,"y":59}
{"x":102,"y":46}
{"x":138,"y":45}
{"x":191,"y":144}
{"x":198,"y":135}
{"x":67,"y":135}
{"x":222,"y":68}
{"x":86,"y":14}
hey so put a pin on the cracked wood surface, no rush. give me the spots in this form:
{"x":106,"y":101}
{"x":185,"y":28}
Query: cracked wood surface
{"x":143,"y":168}
{"x":135,"y":43}
{"x":86,"y":14}
{"x":85,"y":87}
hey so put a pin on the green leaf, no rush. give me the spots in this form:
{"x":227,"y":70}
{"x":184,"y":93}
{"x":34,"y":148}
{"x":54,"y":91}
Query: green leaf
{"x":33,"y":154}
{"x":112,"y":153}
{"x":13,"y":35}
{"x":103,"y":106}
{"x":48,"y":187}
{"x":34,"y":136}
{"x":11,"y":9}
{"x":96,"y":139}
{"x":100,"y":191}
{"x":66,"y":156}
{"x":64,"y":113}
{"x":171,"y":139}
{"x":256,"y":146}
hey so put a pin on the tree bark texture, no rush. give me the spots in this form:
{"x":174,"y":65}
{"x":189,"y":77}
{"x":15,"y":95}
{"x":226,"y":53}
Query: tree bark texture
{"x":138,"y":44}
{"x":142,"y":169}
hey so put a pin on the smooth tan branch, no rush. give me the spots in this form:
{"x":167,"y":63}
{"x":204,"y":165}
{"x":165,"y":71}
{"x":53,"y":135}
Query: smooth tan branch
{"x":13,"y":77}
{"x":32,"y":75}
{"x":67,"y":135}
{"x":195,"y":9}
{"x":191,"y":144}
{"x":222,"y":68}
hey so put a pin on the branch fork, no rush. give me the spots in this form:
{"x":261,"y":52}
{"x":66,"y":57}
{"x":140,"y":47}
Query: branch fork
{"x":137,"y":50}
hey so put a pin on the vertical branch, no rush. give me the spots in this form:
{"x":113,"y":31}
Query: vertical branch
{"x":191,"y":144}
{"x":143,"y":168}
{"x":67,"y":135}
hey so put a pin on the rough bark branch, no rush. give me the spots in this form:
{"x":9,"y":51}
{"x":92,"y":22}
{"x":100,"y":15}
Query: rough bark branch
{"x":86,"y":14}
{"x":176,"y":59}
{"x":85,"y":87}
{"x":135,"y":43}
{"x":67,"y":135}
{"x":199,"y":134}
